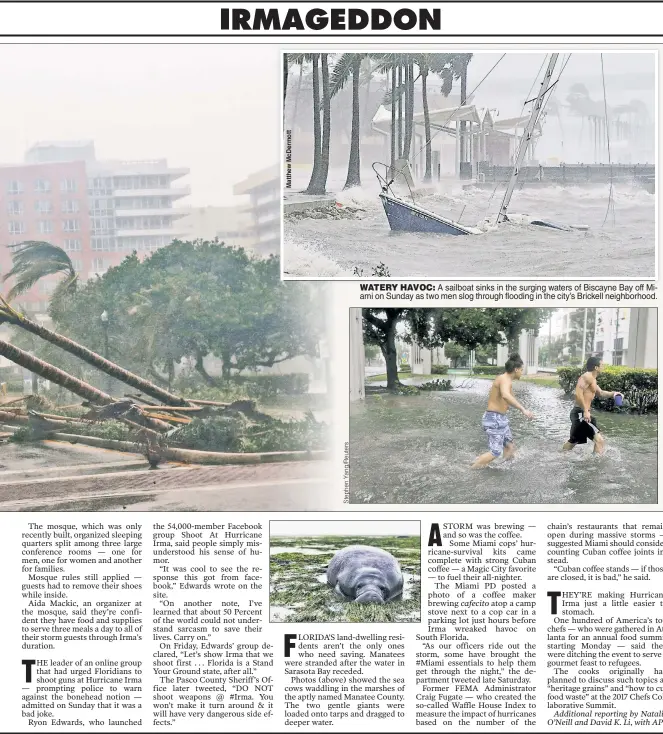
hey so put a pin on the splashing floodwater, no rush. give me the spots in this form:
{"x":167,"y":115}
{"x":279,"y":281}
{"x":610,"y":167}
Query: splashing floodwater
{"x":418,"y":450}
{"x":334,"y":247}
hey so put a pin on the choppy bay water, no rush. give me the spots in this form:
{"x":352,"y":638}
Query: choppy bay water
{"x":418,"y":450}
{"x":625,"y":248}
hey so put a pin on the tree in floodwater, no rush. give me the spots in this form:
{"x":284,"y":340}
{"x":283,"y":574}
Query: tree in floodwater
{"x":346,"y":67}
{"x":429,"y":328}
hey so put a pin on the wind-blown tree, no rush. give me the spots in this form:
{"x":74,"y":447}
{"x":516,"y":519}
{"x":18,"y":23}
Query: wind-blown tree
{"x":193,"y":299}
{"x":349,"y":65}
{"x":34,"y":260}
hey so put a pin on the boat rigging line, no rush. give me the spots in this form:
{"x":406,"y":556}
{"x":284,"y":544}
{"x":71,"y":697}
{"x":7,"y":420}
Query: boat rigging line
{"x":611,"y":198}
{"x":552,"y":87}
{"x":522,"y":111}
{"x":525,"y":140}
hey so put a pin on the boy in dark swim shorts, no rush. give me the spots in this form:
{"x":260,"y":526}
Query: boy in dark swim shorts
{"x":583,"y":423}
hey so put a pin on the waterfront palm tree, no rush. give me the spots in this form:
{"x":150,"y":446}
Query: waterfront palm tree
{"x":321,"y":132}
{"x":349,"y":65}
{"x":47,"y":260}
{"x":286,"y":70}
{"x":408,"y":100}
{"x":391,"y":64}
{"x":423,"y":62}
{"x":454,"y":68}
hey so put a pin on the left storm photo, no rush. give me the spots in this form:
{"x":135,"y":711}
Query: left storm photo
{"x":151,"y":358}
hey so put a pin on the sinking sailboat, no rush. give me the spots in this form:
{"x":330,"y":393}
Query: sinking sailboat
{"x":405,"y":216}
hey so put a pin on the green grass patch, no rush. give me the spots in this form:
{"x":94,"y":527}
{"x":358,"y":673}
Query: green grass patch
{"x":299,"y":592}
{"x":401,"y":376}
{"x":547,"y":381}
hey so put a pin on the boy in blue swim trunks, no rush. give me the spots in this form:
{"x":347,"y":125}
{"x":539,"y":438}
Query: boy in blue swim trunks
{"x":495,"y":422}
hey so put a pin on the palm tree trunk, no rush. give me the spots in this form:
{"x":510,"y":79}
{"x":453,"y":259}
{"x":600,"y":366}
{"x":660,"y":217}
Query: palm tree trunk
{"x":463,"y":100}
{"x":95,"y":360}
{"x":53,"y":374}
{"x":393,"y":120}
{"x":391,"y":356}
{"x":326,"y":124}
{"x":409,"y":106}
{"x":318,"y":183}
{"x":400,"y":108}
{"x":317,"y":133}
{"x":354,"y":164}
{"x":428,"y":176}
{"x":285,"y":80}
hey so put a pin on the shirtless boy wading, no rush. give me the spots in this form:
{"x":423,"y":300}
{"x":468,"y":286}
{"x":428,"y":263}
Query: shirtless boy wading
{"x":495,"y":422}
{"x":583,"y":425}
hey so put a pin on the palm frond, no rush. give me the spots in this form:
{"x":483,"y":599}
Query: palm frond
{"x":341,"y":72}
{"x":33,"y":260}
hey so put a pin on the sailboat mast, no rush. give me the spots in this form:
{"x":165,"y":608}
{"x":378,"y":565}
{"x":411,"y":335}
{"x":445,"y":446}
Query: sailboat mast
{"x":526,"y":138}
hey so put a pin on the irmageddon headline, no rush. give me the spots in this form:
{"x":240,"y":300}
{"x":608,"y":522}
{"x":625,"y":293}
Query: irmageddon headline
{"x":334,"y":19}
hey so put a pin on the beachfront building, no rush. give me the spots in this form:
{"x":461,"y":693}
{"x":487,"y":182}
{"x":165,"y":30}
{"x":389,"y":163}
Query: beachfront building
{"x":627,"y":336}
{"x":487,"y":140}
{"x":263,"y":190}
{"x":97,"y":211}
{"x":232,"y":225}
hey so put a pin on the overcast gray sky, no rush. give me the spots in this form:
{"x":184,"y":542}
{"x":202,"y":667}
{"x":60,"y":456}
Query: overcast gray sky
{"x":210,"y":107}
{"x":628,"y":75}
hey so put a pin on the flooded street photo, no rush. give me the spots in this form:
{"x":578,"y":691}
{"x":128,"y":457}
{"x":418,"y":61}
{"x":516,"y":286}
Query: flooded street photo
{"x":424,"y":446}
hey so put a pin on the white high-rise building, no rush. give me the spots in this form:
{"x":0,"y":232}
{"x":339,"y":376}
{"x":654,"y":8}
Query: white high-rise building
{"x":627,"y":336}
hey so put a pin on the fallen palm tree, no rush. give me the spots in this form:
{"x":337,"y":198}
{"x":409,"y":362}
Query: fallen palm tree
{"x":191,"y":456}
{"x":113,"y":408}
{"x":218,"y":433}
{"x":11,"y":316}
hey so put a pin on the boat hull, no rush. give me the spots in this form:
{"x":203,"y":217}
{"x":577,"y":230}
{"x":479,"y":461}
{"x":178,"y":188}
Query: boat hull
{"x":404,"y":217}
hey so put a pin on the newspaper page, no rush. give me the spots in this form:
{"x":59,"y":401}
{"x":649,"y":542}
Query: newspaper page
{"x":246,"y":484}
